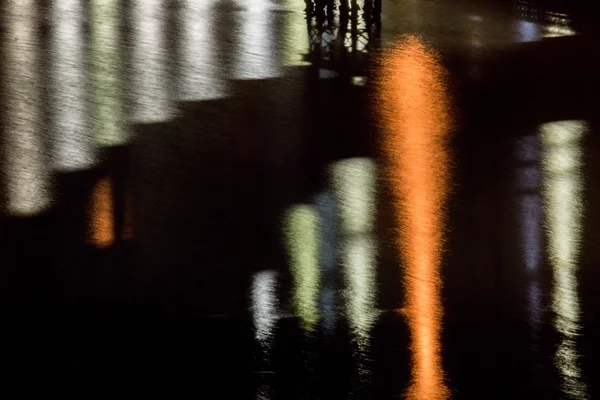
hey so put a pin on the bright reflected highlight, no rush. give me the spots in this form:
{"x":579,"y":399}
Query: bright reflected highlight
{"x":295,"y":34}
{"x":353,"y":182}
{"x":264,"y":305}
{"x":256,"y":58}
{"x":563,"y":201}
{"x":72,"y":144}
{"x":26,"y":176}
{"x":151,"y":102}
{"x":302,"y":242}
{"x":359,"y":260}
{"x":199,"y":66}
{"x":416,"y":113}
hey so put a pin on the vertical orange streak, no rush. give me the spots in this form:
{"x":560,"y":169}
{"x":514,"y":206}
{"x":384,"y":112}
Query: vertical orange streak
{"x":101,"y":215}
{"x":416,"y":113}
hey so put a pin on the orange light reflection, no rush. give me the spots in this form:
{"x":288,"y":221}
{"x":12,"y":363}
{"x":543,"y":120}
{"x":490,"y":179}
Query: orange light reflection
{"x":416,"y":113}
{"x":101,"y":215}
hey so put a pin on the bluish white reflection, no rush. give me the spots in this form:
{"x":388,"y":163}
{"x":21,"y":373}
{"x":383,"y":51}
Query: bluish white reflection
{"x":72,"y":145}
{"x":256,"y":58}
{"x":529,"y":185}
{"x":151,"y":77}
{"x":199,"y":69}
{"x":325,"y":206}
{"x":563,"y":202}
{"x":28,"y":190}
{"x":529,"y":181}
{"x":264,"y":306}
{"x":109,"y":124}
{"x":301,"y":224}
{"x":527,"y":31}
{"x":353,"y":182}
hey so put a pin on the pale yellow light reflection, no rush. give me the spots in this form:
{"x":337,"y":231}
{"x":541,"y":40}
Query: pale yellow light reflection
{"x":563,"y":201}
{"x":28,"y":190}
{"x":108,"y":94}
{"x":302,"y":242}
{"x":416,"y":112}
{"x":295,"y":33}
{"x":558,"y":25}
{"x":353,"y":182}
{"x":102,"y":231}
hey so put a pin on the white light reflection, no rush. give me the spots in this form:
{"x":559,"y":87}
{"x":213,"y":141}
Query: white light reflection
{"x":563,"y":190}
{"x":302,"y":242}
{"x":72,"y":144}
{"x":353,"y":182}
{"x":150,"y":62}
{"x":108,"y":95}
{"x":359,"y":261}
{"x":27,"y":178}
{"x":256,"y":58}
{"x":264,"y":306}
{"x":200,"y":77}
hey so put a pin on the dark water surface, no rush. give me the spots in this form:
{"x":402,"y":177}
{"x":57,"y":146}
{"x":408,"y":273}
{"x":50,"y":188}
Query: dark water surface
{"x":301,"y":200}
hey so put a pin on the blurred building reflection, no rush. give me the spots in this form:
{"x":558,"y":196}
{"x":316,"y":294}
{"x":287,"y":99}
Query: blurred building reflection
{"x":542,"y":20}
{"x":107,"y":65}
{"x":27,"y":180}
{"x":150,"y":62}
{"x":71,"y":141}
{"x":417,"y":119}
{"x":563,"y":204}
{"x":301,"y":223}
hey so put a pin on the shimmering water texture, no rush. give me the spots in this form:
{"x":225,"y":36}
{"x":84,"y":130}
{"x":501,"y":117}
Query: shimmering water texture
{"x":415,"y":108}
{"x":563,"y":202}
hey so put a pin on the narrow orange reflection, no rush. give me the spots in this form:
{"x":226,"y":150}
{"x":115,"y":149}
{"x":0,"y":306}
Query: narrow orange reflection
{"x":416,"y":113}
{"x":101,"y":215}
